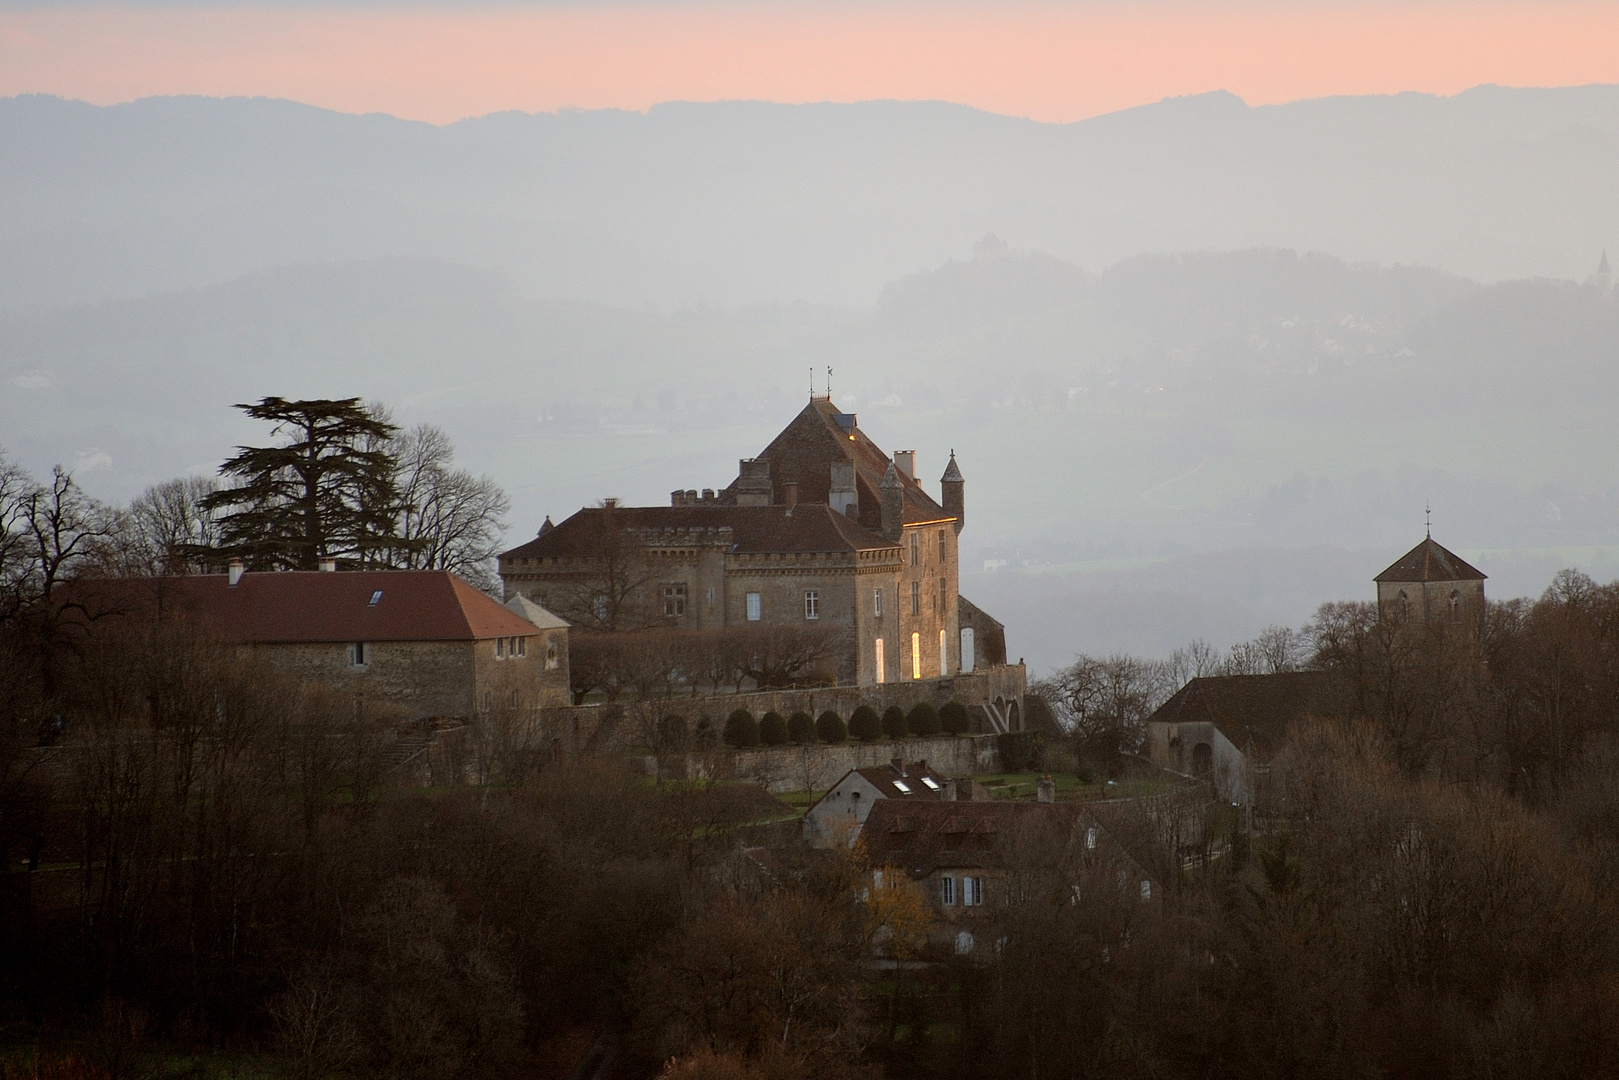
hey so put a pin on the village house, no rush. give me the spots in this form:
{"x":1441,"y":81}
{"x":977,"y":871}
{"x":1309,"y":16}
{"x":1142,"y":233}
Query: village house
{"x":1226,"y":729}
{"x":821,"y":530}
{"x":963,"y":855}
{"x":838,"y":815}
{"x":421,"y":643}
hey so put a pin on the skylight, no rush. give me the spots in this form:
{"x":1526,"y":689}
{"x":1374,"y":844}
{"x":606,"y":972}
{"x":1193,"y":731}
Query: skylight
{"x":903,"y":787}
{"x":375,"y":597}
{"x":932,"y":784}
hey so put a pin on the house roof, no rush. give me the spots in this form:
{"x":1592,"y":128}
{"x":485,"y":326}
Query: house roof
{"x":820,"y":435}
{"x":921,"y":837}
{"x":884,"y":777}
{"x":1250,"y":710}
{"x":1428,"y":561}
{"x":811,"y":527}
{"x":535,"y":613}
{"x":312,"y":606}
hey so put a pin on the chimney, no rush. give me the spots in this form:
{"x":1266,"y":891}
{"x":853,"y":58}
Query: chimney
{"x":893,"y":491}
{"x":328,"y":566}
{"x":905,"y":461}
{"x":237,"y":569}
{"x":753,"y":486}
{"x":842,"y":496}
{"x":610,"y":504}
{"x":789,"y":495}
{"x":898,"y":764}
{"x":952,"y":493}
{"x":1046,"y":790}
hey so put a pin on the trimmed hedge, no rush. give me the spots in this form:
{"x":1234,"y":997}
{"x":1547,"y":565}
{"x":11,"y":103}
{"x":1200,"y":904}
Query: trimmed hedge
{"x":894,"y":725}
{"x":829,"y":727}
{"x":801,"y":728}
{"x":865,"y":724}
{"x":772,"y":729}
{"x":953,"y":718}
{"x":672,"y":734}
{"x":741,"y":729}
{"x":922,"y":719}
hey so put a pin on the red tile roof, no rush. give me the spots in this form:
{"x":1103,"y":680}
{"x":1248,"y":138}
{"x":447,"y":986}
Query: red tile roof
{"x":1430,"y":562}
{"x":297,"y":606}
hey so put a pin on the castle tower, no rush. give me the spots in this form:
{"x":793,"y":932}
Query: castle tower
{"x":952,"y":491}
{"x":1431,"y":585}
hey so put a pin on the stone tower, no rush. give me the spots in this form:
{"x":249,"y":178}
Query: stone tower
{"x":952,"y":491}
{"x":1431,"y":585}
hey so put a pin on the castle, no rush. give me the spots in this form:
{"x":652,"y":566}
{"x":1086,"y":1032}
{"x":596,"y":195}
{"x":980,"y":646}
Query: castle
{"x":821,"y":530}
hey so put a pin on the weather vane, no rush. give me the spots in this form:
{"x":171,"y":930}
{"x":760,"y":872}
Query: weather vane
{"x":829,"y":382}
{"x":1427,"y":511}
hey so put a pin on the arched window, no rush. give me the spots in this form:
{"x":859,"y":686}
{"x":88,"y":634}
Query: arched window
{"x":1455,"y":604}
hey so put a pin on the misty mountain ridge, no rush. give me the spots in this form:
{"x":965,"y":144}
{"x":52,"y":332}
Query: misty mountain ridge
{"x":744,"y":202}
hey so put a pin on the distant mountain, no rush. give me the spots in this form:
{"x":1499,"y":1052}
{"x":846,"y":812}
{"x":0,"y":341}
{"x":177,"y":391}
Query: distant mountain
{"x":742,"y":203}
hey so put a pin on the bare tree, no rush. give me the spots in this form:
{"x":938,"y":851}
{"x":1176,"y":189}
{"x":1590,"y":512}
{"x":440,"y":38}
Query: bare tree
{"x":170,"y":530}
{"x":613,"y":590}
{"x":1104,"y":702}
{"x":451,"y":519}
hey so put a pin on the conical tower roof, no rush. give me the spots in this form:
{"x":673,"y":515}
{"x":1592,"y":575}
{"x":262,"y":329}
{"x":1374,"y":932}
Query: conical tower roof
{"x":1428,"y":561}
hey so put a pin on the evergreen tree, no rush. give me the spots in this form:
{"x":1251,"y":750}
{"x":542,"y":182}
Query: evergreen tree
{"x":894,"y":725}
{"x":922,"y":720}
{"x":865,"y":724}
{"x":741,"y":729}
{"x":326,"y":492}
{"x":772,"y":729}
{"x":953,"y":717}
{"x":829,"y":727}
{"x":801,"y":728}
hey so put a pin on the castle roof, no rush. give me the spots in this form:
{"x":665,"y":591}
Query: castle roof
{"x":819,"y":436}
{"x":311,"y":606}
{"x":1430,"y":562}
{"x":807,"y":527}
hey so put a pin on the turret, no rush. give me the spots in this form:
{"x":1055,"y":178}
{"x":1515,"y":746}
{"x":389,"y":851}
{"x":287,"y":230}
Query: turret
{"x":952,"y":489}
{"x":893,"y":492}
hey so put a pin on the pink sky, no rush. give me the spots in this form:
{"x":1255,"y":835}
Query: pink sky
{"x":1049,"y":61}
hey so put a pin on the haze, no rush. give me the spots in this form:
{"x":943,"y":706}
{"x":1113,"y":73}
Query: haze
{"x":1203,"y":361}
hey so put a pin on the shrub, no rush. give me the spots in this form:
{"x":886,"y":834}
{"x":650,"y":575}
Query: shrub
{"x":865,"y":724}
{"x":894,"y":725}
{"x":741,"y":729}
{"x":922,"y":719}
{"x":829,"y":727}
{"x":801,"y":728}
{"x":672,"y":735}
{"x":953,"y":718}
{"x":772,"y":729}
{"x":702,"y":736}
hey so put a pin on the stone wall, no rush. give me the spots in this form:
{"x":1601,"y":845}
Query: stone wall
{"x":1000,"y":684}
{"x":784,"y":769}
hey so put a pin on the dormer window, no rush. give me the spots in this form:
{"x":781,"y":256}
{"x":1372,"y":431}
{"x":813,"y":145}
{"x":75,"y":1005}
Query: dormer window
{"x":902,"y":787}
{"x":931,"y":784}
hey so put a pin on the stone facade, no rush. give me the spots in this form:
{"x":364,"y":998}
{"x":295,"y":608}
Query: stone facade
{"x":821,"y":529}
{"x":1432,"y":586}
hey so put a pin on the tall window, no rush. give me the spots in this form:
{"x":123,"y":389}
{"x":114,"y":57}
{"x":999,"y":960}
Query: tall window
{"x":877,"y":604}
{"x":947,"y":891}
{"x":357,"y":654}
{"x":812,"y":604}
{"x":916,"y":656}
{"x":939,"y":602}
{"x":880,"y":672}
{"x":552,"y":659}
{"x":941,"y":545}
{"x":674,"y":599}
{"x":916,"y":550}
{"x":944,"y":654}
{"x":916,"y":598}
{"x":754,"y":607}
{"x":500,"y":648}
{"x":519,"y":646}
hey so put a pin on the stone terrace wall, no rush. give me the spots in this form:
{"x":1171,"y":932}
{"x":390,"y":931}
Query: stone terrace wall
{"x":973,"y":688}
{"x":784,"y":769}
